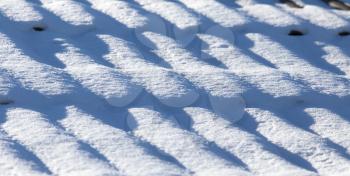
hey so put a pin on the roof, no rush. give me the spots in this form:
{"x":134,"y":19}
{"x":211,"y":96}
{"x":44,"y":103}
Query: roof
{"x":97,"y":87}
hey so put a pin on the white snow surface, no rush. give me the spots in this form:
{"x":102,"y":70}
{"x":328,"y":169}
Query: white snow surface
{"x":180,"y":87}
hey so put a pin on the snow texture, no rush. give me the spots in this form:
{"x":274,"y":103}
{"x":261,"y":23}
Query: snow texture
{"x":164,"y":88}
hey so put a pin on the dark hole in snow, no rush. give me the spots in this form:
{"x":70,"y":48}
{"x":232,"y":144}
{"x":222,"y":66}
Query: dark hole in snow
{"x":5,"y":102}
{"x":344,"y":33}
{"x":291,"y":4}
{"x":337,"y":4}
{"x":295,"y":33}
{"x":38,"y":28}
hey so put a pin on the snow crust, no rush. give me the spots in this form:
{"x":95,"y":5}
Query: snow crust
{"x":186,"y":87}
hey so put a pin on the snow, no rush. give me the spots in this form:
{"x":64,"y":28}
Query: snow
{"x":185,"y":87}
{"x":169,"y":87}
{"x":185,"y":23}
{"x":122,"y":12}
{"x":185,"y":146}
{"x":7,"y":87}
{"x":222,"y":87}
{"x":269,"y":80}
{"x":122,"y":149}
{"x":12,"y":163}
{"x":104,"y":81}
{"x":15,"y":10}
{"x":218,"y":13}
{"x":72,"y":12}
{"x":328,"y":20}
{"x":312,"y":148}
{"x":329,"y":125}
{"x":336,"y":56}
{"x":49,"y":142}
{"x":31,"y":74}
{"x":276,"y":17}
{"x":240,"y":143}
{"x":290,"y":63}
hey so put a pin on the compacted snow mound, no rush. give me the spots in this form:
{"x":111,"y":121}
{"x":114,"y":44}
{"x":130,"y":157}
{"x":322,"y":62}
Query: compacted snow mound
{"x":164,"y":88}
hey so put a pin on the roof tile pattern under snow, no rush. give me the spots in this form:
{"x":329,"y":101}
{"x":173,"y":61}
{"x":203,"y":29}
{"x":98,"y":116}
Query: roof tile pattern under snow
{"x":186,"y":87}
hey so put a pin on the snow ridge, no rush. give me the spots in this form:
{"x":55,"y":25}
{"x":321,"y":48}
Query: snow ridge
{"x":185,"y":87}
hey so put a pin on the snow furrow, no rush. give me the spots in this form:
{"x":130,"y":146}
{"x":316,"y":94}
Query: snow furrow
{"x":311,"y":147}
{"x":72,"y":12}
{"x":271,"y":81}
{"x":7,"y":87}
{"x":121,"y":11}
{"x":106,"y":82}
{"x":217,"y":12}
{"x":12,"y":164}
{"x":33,"y":75}
{"x":185,"y":146}
{"x":321,"y":17}
{"x":342,"y":14}
{"x":132,"y":17}
{"x":186,"y":23}
{"x":223,"y":88}
{"x":275,"y":17}
{"x":240,"y":143}
{"x":177,"y":75}
{"x":168,"y":87}
{"x":285,"y":60}
{"x":20,"y":11}
{"x":62,"y":153}
{"x":334,"y":55}
{"x":330,"y":125}
{"x":66,"y":17}
{"x":173,"y":12}
{"x":118,"y":147}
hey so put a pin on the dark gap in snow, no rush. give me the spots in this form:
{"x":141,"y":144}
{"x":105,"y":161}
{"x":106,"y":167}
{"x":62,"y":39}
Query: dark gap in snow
{"x":291,"y":4}
{"x":344,"y":33}
{"x":295,"y":33}
{"x":5,"y":102}
{"x":336,"y":4}
{"x":38,"y":28}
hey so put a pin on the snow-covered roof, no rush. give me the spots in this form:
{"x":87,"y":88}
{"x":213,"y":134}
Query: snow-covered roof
{"x":185,"y":87}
